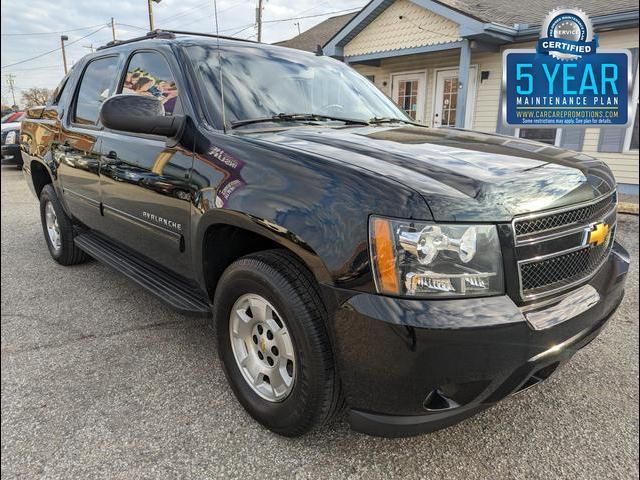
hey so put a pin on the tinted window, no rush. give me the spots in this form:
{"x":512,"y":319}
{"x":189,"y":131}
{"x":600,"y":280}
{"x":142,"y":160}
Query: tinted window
{"x":149,"y":74}
{"x":544,"y":135}
{"x":95,"y":88}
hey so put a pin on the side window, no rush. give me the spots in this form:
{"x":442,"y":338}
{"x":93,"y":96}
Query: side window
{"x":57,"y":93}
{"x":95,"y":88}
{"x":149,"y":74}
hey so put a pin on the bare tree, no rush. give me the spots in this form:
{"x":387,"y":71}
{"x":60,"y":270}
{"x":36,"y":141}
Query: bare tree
{"x":33,"y":97}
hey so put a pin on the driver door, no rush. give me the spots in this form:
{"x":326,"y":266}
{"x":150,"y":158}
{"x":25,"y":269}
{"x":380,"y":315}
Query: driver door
{"x":146,"y":198}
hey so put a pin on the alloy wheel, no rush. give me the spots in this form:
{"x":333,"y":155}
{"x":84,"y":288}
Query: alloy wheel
{"x":262,"y":347}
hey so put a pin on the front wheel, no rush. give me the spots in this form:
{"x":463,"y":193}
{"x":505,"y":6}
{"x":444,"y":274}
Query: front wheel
{"x":273,"y":344}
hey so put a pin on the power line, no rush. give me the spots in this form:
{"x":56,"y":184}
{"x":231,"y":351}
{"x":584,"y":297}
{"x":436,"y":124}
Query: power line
{"x":55,"y":49}
{"x":132,"y":26}
{"x":313,"y":16}
{"x":249,"y":25}
{"x":49,"y":33}
{"x":189,"y":11}
{"x":34,"y":68}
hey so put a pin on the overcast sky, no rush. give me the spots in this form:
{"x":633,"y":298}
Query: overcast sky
{"x":49,"y":18}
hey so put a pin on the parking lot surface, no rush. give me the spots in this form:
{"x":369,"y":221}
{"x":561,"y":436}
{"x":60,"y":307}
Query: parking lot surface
{"x":102,"y":380}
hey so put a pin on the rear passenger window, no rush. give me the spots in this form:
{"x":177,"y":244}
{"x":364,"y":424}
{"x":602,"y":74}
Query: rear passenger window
{"x":149,"y":74}
{"x":95,"y":88}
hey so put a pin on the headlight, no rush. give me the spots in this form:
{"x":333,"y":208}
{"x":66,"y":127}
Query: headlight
{"x":11,"y":137}
{"x":435,"y":260}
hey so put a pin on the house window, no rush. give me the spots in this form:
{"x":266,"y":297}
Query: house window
{"x":371,"y":78}
{"x":543,"y":135}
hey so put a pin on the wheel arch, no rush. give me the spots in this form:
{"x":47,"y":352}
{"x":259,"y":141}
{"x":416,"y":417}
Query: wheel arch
{"x":40,"y":176}
{"x":222,"y":237}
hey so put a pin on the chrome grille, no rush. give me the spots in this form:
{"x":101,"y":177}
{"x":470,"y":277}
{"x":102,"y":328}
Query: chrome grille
{"x":529,"y":226}
{"x":558,"y":271}
{"x":554,"y":256}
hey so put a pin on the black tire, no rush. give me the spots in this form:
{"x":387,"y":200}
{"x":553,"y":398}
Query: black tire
{"x":284,"y":281}
{"x":68,"y":253}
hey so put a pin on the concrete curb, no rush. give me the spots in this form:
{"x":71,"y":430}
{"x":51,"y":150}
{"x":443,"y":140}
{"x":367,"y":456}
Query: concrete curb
{"x":626,"y":207}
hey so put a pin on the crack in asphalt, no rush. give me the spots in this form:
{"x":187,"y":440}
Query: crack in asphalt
{"x":176,"y":324}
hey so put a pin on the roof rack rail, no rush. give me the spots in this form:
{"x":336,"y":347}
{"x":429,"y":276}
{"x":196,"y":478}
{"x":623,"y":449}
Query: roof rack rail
{"x":169,"y":34}
{"x":154,"y":34}
{"x":211,"y":35}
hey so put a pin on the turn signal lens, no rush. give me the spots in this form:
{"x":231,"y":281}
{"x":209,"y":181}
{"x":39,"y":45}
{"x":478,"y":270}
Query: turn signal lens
{"x":384,"y":257}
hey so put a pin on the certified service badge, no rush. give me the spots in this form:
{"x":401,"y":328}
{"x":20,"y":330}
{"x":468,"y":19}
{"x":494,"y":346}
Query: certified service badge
{"x":567,"y":34}
{"x":567,"y":80}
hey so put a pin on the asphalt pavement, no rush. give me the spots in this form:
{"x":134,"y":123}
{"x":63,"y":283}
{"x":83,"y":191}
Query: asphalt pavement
{"x":102,"y":380}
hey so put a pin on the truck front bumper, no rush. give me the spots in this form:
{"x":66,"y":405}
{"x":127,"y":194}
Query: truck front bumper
{"x":413,"y":366}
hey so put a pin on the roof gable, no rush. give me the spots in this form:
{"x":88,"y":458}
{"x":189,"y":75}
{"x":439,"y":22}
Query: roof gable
{"x":375,"y":8}
{"x":403,"y":24}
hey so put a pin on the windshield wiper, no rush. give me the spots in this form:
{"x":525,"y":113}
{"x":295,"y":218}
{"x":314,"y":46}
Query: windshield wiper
{"x":379,"y":120}
{"x":295,"y":117}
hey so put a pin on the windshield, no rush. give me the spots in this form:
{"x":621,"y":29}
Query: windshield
{"x":264,"y":82}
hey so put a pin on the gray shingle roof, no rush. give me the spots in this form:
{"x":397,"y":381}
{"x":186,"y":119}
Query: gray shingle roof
{"x":318,"y":35}
{"x":533,"y":12}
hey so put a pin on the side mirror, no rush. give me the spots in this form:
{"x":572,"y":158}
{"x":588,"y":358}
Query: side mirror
{"x":139,"y":114}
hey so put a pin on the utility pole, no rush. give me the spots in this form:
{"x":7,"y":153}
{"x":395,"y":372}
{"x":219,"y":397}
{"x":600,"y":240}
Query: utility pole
{"x":150,"y":7}
{"x":63,"y":38}
{"x":297,"y":24}
{"x":113,"y":29}
{"x":259,"y":20}
{"x":90,"y":47}
{"x":10,"y":77}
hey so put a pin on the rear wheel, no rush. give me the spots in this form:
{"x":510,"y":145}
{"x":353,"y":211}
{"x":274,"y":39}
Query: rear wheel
{"x":272,"y":341}
{"x":58,"y":229}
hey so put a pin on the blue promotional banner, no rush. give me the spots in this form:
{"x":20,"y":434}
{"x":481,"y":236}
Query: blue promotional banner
{"x":541,"y":90}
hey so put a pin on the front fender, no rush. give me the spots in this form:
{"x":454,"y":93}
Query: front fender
{"x":317,"y":207}
{"x":262,"y":227}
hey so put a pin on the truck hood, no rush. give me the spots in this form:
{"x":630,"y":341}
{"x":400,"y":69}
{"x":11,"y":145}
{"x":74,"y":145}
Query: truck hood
{"x":462,"y":175}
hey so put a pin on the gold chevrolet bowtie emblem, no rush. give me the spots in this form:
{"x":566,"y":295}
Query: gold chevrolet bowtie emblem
{"x":263,"y":345}
{"x":599,"y":234}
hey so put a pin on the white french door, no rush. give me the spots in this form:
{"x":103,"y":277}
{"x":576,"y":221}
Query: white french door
{"x":408,"y":91}
{"x":446,"y":98}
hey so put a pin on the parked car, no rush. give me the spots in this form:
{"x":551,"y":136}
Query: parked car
{"x":12,"y":117}
{"x":10,"y":140}
{"x":346,"y":256}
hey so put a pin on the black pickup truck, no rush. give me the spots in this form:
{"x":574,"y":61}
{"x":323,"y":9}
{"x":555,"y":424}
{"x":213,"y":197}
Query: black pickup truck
{"x":347,"y":257}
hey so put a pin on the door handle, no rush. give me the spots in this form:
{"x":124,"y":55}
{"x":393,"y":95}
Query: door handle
{"x":111,"y":157}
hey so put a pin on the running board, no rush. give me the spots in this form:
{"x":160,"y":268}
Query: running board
{"x":173,"y":290}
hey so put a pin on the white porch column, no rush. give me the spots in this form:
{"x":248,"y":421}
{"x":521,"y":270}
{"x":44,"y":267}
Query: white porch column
{"x":463,"y":83}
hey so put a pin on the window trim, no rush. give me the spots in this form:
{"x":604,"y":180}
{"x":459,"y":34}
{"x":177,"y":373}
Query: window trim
{"x":556,"y":143}
{"x":626,"y":146}
{"x":76,"y":93}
